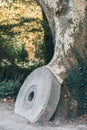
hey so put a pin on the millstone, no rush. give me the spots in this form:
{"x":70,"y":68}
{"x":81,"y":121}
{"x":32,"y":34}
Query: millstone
{"x":39,"y":96}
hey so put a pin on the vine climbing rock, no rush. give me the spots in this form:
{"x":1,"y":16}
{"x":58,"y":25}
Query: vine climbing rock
{"x":39,"y":96}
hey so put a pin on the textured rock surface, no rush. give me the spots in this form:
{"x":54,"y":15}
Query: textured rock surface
{"x":11,"y":121}
{"x":39,"y":95}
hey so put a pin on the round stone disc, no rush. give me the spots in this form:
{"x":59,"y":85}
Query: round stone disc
{"x":39,"y":96}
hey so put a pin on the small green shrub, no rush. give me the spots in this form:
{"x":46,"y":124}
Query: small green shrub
{"x":40,"y":51}
{"x":9,"y":88}
{"x":12,"y":77}
{"x":76,"y":81}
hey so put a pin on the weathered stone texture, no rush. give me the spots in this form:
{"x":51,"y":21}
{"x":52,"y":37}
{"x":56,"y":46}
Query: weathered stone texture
{"x":38,"y":96}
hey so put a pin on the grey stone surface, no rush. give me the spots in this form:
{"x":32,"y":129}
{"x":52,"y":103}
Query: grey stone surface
{"x":39,"y":96}
{"x":11,"y":121}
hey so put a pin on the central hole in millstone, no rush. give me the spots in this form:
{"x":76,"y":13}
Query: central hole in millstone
{"x":31,"y":96}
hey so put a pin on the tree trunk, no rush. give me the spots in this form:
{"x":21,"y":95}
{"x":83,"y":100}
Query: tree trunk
{"x":68,"y":23}
{"x":38,"y":99}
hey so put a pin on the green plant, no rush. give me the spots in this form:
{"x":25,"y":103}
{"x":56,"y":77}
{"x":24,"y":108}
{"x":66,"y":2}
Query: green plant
{"x":40,"y":51}
{"x":76,"y":81}
{"x":9,"y":88}
{"x":12,"y":77}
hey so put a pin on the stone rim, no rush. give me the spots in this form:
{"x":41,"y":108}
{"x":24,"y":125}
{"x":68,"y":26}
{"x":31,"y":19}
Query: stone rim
{"x":44,"y":104}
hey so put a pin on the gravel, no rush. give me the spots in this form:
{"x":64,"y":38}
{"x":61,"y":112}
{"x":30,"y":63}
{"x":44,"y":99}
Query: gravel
{"x":11,"y":121}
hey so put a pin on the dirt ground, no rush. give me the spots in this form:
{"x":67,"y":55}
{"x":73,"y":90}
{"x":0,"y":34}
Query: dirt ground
{"x":10,"y":121}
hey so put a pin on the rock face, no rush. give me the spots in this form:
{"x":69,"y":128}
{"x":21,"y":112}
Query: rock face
{"x":68,"y":23}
